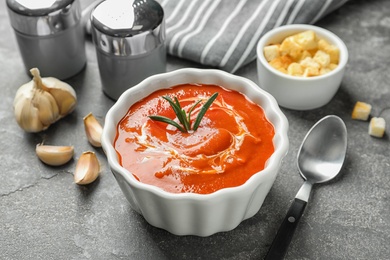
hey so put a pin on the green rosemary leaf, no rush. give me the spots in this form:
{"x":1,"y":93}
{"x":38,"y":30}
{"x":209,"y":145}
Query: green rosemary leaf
{"x":182,"y":116}
{"x":176,"y":108}
{"x":185,"y":123}
{"x":173,"y":104}
{"x":177,"y":102}
{"x":168,"y":121}
{"x":203,"y":110}
{"x":192,"y":108}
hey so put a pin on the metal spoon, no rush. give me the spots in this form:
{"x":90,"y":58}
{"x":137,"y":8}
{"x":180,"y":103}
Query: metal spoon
{"x":320,"y":159}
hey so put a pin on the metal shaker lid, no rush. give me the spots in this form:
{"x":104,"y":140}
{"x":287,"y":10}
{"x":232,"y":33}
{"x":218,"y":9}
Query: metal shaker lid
{"x":43,"y":17}
{"x":128,"y":27}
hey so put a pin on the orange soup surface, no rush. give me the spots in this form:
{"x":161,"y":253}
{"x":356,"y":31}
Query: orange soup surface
{"x":232,"y":142}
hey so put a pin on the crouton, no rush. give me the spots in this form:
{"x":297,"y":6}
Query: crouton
{"x":295,"y":69}
{"x":361,"y":111}
{"x":305,"y":54}
{"x":311,"y":71}
{"x":322,"y":58}
{"x":291,"y":48}
{"x":281,"y":62}
{"x":306,"y":39}
{"x":271,"y":52}
{"x":333,"y":51}
{"x":310,"y":62}
{"x":377,"y":127}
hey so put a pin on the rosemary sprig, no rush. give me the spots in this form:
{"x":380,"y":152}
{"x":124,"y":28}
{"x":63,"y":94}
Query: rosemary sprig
{"x":183,"y":117}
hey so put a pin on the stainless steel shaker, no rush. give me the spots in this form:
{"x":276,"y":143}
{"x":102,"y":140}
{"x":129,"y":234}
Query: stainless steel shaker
{"x":129,"y":37}
{"x":50,"y":35}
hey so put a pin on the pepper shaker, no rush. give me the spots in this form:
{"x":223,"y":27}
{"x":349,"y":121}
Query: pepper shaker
{"x":50,"y":35}
{"x":129,"y":38}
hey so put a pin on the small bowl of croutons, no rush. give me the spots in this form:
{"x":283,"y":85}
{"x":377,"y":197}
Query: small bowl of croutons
{"x":302,"y":66}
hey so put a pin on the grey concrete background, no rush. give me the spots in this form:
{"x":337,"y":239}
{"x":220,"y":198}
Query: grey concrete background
{"x":44,"y":215}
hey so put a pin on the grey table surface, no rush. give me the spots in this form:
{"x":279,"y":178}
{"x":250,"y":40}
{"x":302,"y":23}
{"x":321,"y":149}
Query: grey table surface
{"x":44,"y":215}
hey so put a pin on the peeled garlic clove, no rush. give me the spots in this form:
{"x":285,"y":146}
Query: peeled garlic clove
{"x":93,"y":129}
{"x":87,"y":168}
{"x":54,"y":155}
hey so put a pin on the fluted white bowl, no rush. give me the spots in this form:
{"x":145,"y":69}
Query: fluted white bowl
{"x":191,"y":213}
{"x":300,"y":93}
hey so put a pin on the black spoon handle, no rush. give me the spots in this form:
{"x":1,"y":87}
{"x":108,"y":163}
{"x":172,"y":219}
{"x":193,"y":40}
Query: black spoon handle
{"x":286,"y":231}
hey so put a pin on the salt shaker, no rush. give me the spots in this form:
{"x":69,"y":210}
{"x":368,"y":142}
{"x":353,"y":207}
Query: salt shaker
{"x":129,"y":40}
{"x":50,"y":35}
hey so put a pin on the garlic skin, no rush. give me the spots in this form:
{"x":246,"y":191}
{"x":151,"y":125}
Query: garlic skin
{"x":42,"y":101}
{"x":93,"y":129}
{"x":87,"y":169}
{"x":54,"y":155}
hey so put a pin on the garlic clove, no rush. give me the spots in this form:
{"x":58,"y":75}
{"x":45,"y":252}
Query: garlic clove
{"x":26,"y":114}
{"x":93,"y":129}
{"x":54,"y":155}
{"x":27,"y":117}
{"x":47,"y":107}
{"x":63,"y":93}
{"x":66,"y":102}
{"x":87,"y":168}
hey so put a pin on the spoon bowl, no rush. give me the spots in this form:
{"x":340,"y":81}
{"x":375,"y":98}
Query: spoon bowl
{"x":320,"y":159}
{"x":323,"y":150}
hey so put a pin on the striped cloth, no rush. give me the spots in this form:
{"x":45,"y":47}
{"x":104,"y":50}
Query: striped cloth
{"x":224,"y":33}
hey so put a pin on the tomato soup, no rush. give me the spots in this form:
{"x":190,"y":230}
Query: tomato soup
{"x":232,"y":142}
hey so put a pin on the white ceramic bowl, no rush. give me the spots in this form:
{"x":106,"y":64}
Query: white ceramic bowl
{"x":295,"y":92}
{"x":190,"y":213}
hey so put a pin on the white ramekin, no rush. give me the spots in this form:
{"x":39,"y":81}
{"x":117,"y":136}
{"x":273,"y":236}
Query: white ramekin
{"x":189,"y":213}
{"x":295,"y":92}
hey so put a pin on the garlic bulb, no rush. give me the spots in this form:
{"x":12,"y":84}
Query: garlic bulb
{"x":87,"y":168}
{"x":54,"y":155}
{"x":42,"y":101}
